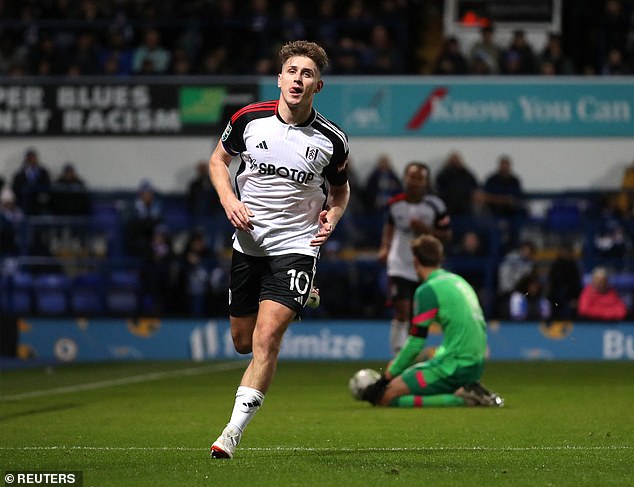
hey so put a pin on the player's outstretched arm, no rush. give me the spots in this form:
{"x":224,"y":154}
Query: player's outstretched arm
{"x":237,"y":213}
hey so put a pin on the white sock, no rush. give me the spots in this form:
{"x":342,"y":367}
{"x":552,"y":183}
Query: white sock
{"x":248,"y":401}
{"x":398,"y":334}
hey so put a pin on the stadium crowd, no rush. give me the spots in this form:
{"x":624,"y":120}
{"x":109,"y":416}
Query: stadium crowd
{"x":176,"y":245}
{"x":137,"y":37}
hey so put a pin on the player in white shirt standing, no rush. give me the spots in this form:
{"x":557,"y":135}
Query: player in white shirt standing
{"x":290,"y":191}
{"x":411,"y":213}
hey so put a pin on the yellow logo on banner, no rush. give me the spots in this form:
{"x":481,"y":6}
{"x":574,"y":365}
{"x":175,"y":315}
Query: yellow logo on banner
{"x":144,"y":327}
{"x":557,"y":330}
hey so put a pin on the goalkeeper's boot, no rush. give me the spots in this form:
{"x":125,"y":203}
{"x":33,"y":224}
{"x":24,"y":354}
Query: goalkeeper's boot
{"x":225,"y":445}
{"x":476,"y":393}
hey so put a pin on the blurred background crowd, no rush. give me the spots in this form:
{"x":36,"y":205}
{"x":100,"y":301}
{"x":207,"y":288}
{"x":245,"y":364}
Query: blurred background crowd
{"x":223,"y":37}
{"x":69,"y":248}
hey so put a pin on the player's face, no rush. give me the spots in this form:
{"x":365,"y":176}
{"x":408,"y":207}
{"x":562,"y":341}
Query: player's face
{"x":299,"y":81}
{"x":416,"y":180}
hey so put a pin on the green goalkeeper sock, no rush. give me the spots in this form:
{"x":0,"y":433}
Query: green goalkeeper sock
{"x":436,"y":401}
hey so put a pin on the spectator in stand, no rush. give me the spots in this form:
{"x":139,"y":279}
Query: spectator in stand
{"x":613,"y":31}
{"x":151,"y":55}
{"x":553,"y":55}
{"x":599,"y":300}
{"x":450,"y":61}
{"x":291,"y":24}
{"x":625,"y":198}
{"x":325,"y":28}
{"x":382,"y":184}
{"x":564,"y":283}
{"x":180,"y":64}
{"x":527,"y":301}
{"x":519,"y":58}
{"x":47,"y":59}
{"x":503,"y":194}
{"x":515,"y":265}
{"x":503,"y":197}
{"x":381,"y":56}
{"x":10,"y":218}
{"x":156,"y":274}
{"x":468,"y":262}
{"x":116,"y":57}
{"x":611,"y":240}
{"x":486,"y":51}
{"x":144,"y":215}
{"x":193,"y":275}
{"x":202,"y":198}
{"x":457,"y":186}
{"x":32,"y":185}
{"x":69,"y":194}
{"x":614,"y":64}
{"x":11,"y":53}
{"x":85,"y":55}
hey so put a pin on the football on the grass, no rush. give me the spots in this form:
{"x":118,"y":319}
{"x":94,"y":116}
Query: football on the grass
{"x":360,"y":380}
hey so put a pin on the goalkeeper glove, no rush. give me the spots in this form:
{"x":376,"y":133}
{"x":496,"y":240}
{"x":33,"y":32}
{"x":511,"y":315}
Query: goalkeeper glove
{"x":374,"y":392}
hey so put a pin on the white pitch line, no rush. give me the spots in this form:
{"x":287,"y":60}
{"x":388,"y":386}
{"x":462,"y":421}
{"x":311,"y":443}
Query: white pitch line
{"x":134,"y":379}
{"x":330,"y":449}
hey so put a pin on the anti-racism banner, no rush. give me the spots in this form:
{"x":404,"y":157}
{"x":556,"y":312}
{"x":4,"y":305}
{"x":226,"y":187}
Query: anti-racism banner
{"x":119,"y":109}
{"x":477,"y":107}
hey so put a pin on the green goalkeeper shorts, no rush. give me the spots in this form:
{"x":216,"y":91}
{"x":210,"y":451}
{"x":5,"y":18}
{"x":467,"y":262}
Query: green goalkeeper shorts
{"x":432,"y":377}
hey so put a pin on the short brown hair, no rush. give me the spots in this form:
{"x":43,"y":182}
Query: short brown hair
{"x":305,"y":48}
{"x":428,"y":250}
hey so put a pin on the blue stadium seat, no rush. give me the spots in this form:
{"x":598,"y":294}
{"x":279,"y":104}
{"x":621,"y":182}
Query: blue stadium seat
{"x":122,"y":294}
{"x":51,"y":293}
{"x":86,"y":294}
{"x":19,"y":294}
{"x":564,"y":216}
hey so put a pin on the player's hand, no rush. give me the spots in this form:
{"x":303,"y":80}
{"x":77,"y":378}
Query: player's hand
{"x":374,"y":392}
{"x":239,"y":215}
{"x":419,"y":227}
{"x":324,"y":232}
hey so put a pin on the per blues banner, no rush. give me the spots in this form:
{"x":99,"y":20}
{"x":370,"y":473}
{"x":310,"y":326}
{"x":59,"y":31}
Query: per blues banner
{"x":119,"y":108}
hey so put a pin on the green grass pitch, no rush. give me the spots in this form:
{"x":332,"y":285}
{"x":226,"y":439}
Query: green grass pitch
{"x":151,"y":424}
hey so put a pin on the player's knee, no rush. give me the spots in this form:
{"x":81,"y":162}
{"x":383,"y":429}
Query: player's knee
{"x":242,"y":343}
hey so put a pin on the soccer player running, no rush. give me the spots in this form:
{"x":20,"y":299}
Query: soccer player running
{"x":451,"y":377}
{"x":291,"y":191}
{"x":411,"y":213}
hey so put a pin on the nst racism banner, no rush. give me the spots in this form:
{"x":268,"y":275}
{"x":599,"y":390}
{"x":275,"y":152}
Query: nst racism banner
{"x":469,"y":107}
{"x":119,"y":109}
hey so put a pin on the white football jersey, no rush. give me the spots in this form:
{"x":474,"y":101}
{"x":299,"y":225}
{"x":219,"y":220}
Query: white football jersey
{"x":283,"y":176}
{"x":431,"y":210}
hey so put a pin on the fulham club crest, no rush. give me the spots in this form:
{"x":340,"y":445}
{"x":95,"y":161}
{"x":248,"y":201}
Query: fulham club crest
{"x":311,"y":153}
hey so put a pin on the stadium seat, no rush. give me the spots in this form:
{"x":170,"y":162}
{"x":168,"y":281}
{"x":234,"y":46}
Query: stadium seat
{"x":86,"y":294}
{"x":564,"y":216}
{"x":19,"y":294}
{"x":123,"y":290}
{"x":51,"y":293}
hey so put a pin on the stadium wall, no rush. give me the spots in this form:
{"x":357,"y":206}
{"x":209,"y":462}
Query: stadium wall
{"x":563,"y":133}
{"x":81,"y":340}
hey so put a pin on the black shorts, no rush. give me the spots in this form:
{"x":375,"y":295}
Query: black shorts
{"x":285,"y":279}
{"x":401,"y":288}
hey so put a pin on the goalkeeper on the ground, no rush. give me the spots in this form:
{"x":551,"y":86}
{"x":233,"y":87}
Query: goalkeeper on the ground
{"x":451,"y":377}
